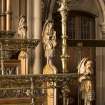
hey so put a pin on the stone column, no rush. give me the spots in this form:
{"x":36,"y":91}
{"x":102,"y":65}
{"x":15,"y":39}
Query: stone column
{"x":100,"y":85}
{"x":102,"y":69}
{"x":36,"y":22}
{"x":29,"y":19}
{"x":3,"y":8}
{"x":8,"y":15}
{"x":100,"y":61}
{"x":29,"y":33}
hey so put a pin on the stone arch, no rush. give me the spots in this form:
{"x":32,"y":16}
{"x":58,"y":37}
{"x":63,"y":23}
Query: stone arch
{"x":88,"y":6}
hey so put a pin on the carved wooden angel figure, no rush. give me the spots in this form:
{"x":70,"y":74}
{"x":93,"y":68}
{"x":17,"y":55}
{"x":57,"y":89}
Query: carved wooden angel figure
{"x":22,"y":28}
{"x":49,"y":39}
{"x":49,"y":42}
{"x":85,"y":71}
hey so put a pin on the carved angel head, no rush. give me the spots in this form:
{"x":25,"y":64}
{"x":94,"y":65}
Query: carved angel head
{"x":85,"y":66}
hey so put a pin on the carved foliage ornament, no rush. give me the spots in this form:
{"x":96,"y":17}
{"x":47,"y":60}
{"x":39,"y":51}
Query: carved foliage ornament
{"x":22,"y":28}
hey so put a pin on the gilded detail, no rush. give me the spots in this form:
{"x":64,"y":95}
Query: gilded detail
{"x":64,"y":8}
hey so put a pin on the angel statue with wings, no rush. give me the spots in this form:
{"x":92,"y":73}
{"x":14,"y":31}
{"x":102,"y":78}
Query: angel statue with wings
{"x":85,"y":71}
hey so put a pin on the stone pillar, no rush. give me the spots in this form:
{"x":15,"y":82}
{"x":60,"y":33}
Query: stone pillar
{"x":36,"y":22}
{"x":29,"y":19}
{"x":29,"y":32}
{"x":100,"y":60}
{"x":8,"y":15}
{"x":99,"y":70}
{"x":3,"y":9}
{"x":102,"y":70}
